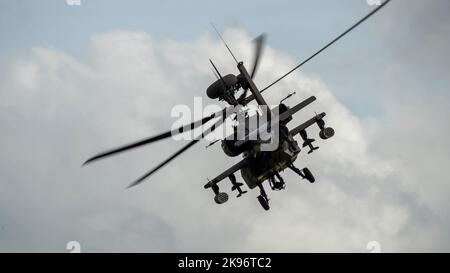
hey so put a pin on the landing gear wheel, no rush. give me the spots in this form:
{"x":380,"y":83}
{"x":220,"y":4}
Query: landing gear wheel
{"x":221,"y":198}
{"x":308,"y":175}
{"x":264,"y":203}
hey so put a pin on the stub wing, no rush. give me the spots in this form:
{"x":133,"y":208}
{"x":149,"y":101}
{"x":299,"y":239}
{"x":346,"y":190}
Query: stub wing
{"x":306,"y":124}
{"x":236,"y":167}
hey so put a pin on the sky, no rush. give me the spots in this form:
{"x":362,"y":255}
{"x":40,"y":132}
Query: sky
{"x":76,"y":80}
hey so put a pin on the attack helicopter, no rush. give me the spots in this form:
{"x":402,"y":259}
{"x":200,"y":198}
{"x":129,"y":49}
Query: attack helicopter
{"x":257,"y":165}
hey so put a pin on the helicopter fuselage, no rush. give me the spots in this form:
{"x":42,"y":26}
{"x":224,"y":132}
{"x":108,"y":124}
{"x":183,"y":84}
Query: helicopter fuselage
{"x":263,"y":165}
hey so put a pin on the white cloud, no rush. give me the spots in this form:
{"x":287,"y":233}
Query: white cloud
{"x":58,"y":109}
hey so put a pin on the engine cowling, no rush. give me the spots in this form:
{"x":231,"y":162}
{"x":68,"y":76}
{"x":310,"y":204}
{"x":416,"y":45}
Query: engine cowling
{"x":216,"y":90}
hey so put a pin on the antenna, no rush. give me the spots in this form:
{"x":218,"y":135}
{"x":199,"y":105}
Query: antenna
{"x":220,"y":76}
{"x":225,"y":43}
{"x":212,"y":143}
{"x":288,"y":96}
{"x":215,"y":74}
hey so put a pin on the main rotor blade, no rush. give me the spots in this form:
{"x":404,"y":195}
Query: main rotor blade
{"x":259,"y":46}
{"x":182,"y":150}
{"x":142,"y":178}
{"x":152,"y":139}
{"x":250,"y":98}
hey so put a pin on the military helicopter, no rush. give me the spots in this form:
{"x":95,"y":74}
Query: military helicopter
{"x":257,"y":165}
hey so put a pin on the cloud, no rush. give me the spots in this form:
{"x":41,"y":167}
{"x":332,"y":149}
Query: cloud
{"x":58,"y":109}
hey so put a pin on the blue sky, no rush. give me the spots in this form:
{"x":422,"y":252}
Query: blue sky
{"x":297,"y":28}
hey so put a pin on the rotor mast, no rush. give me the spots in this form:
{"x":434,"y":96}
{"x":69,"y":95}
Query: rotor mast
{"x":251,"y":84}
